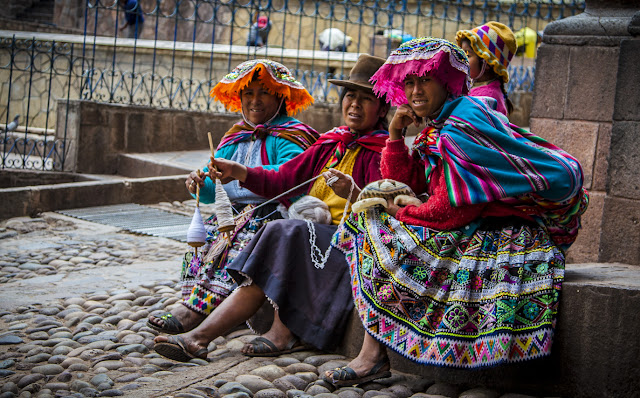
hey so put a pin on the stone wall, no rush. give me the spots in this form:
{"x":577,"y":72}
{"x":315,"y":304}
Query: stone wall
{"x":587,"y":101}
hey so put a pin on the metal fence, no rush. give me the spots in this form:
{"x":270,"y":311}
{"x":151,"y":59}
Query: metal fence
{"x":184,"y":47}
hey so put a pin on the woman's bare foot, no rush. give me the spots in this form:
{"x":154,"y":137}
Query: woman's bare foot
{"x":186,"y":317}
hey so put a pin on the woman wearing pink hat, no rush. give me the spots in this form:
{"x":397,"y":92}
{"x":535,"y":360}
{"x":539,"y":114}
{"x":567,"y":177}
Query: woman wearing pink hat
{"x":471,"y":277}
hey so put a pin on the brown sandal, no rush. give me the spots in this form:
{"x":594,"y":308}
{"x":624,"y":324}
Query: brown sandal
{"x":175,"y":348}
{"x":345,"y":376}
{"x":263,"y":347}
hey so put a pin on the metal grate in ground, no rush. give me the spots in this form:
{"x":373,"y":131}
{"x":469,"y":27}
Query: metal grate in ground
{"x":136,"y":218}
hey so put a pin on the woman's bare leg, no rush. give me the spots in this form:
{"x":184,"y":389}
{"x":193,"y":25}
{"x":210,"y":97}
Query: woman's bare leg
{"x":279,"y":335}
{"x":237,"y":308}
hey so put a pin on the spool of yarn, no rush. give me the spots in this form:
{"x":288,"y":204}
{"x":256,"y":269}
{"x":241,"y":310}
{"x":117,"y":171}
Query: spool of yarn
{"x":223,"y":210}
{"x":310,"y":208}
{"x":196,"y":234}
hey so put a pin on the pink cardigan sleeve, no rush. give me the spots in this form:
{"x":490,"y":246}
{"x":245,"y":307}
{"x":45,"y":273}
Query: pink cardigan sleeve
{"x":397,"y":164}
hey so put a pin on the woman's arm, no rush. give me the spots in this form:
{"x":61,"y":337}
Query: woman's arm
{"x":280,"y":152}
{"x":270,"y":183}
{"x":437,"y":212}
{"x":397,"y":164}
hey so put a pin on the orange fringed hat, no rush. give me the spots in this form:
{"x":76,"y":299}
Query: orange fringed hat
{"x":273,"y":76}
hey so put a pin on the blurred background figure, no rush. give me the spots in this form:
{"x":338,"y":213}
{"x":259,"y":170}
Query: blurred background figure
{"x":133,"y":18}
{"x":259,"y":32}
{"x":528,"y":40}
{"x":396,"y":34}
{"x":13,"y":125}
{"x":334,"y":39}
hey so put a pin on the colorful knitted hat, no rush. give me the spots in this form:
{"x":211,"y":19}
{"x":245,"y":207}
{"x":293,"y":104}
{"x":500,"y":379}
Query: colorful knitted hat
{"x":273,"y":76}
{"x":493,"y":42}
{"x":439,"y":58}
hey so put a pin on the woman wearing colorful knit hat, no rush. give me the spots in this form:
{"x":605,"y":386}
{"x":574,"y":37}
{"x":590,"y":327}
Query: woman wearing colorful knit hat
{"x":265,"y":93}
{"x":471,"y":277}
{"x":490,"y":48}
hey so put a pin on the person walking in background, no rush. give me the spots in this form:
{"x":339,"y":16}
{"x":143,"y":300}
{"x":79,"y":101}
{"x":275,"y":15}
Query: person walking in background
{"x":334,"y":40}
{"x":134,"y":20}
{"x":259,"y":32}
{"x":490,"y":48}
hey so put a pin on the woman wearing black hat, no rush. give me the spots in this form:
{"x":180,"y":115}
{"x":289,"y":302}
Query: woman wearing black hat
{"x":310,"y":292}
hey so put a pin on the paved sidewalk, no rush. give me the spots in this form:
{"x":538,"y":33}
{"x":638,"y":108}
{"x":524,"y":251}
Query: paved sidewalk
{"x":73,"y":309}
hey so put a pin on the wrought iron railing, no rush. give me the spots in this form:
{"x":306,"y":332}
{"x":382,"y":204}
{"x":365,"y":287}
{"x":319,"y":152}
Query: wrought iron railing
{"x":184,"y":47}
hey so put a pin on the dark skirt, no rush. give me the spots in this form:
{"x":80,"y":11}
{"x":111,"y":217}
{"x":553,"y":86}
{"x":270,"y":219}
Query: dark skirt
{"x":455,"y":298}
{"x":204,"y":278}
{"x":313,"y":303}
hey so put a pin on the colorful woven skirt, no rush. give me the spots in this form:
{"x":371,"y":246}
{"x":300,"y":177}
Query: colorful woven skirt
{"x":204,"y":278}
{"x":448,"y":298}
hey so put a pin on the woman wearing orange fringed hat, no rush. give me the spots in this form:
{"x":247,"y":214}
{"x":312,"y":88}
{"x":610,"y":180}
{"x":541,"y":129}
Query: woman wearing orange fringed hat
{"x":266,"y":94}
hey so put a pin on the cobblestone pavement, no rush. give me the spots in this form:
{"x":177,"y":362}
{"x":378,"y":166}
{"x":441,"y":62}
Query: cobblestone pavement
{"x":73,"y":309}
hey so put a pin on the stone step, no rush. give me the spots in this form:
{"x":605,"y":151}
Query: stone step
{"x":595,"y":348}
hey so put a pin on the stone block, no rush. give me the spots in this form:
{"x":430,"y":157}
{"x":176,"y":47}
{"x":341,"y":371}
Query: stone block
{"x":94,"y":155}
{"x":92,"y":114}
{"x":17,"y":202}
{"x":591,"y":87}
{"x":137,"y":131}
{"x":601,"y":165}
{"x":71,"y":156}
{"x":157,"y":189}
{"x":627,"y":101}
{"x":157,"y":131}
{"x":576,"y":137}
{"x":624,"y":160}
{"x":584,"y":357}
{"x":87,"y":194}
{"x":620,"y":238}
{"x":67,"y":119}
{"x":551,"y":78}
{"x":323,"y":117}
{"x":203,"y":123}
{"x":586,"y":248}
{"x":117,"y":122}
{"x":135,"y":167}
{"x":185,"y":133}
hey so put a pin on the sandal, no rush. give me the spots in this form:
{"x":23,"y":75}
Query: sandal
{"x":175,"y":348}
{"x":171,"y":324}
{"x":263,"y":347}
{"x":345,"y":376}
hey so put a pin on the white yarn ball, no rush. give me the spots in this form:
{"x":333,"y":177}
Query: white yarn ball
{"x":310,"y":208}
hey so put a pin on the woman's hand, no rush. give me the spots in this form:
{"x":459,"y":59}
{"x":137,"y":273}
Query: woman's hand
{"x":392,"y":208}
{"x":403,"y":118}
{"x":195,"y":179}
{"x":227,"y":170}
{"x":341,"y":184}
